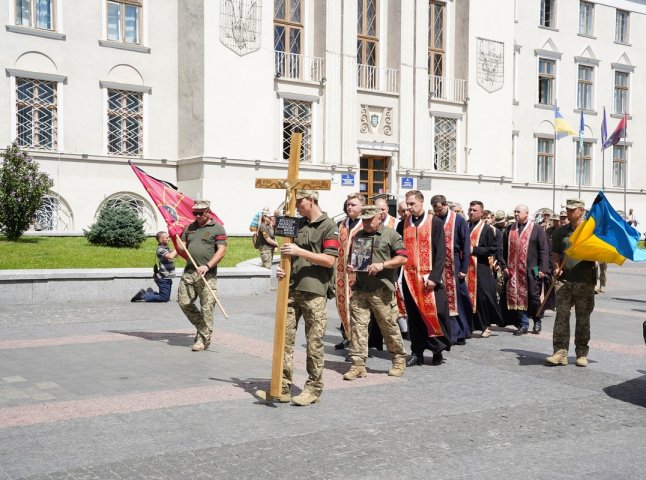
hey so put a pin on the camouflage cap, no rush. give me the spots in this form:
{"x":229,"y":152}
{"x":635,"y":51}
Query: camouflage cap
{"x":563,"y":213}
{"x":313,"y":194}
{"x":201,"y":205}
{"x":499,"y":217}
{"x":369,"y":211}
{"x":574,"y":203}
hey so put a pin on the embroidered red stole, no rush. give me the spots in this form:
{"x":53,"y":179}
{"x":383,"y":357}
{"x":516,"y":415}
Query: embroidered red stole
{"x":417,"y":241}
{"x":345,"y":280}
{"x":450,"y":280}
{"x":472,"y":273}
{"x":517,"y":248}
{"x":390,"y":222}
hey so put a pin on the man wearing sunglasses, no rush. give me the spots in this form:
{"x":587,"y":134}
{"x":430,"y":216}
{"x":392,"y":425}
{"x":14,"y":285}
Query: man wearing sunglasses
{"x":206,"y":241}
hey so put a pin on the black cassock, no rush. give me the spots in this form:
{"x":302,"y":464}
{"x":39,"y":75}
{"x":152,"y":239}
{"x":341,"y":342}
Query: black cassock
{"x":418,"y":332}
{"x":537,"y":256}
{"x":487,"y":308}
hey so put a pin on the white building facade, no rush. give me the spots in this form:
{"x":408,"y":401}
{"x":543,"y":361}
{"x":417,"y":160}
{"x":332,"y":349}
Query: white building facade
{"x":453,"y":97}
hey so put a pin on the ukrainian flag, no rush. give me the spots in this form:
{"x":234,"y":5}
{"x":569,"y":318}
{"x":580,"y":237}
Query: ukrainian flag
{"x":605,"y":237}
{"x":561,"y":127}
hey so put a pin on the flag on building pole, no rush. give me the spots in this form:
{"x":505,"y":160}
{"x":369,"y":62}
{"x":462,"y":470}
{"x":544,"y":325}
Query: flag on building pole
{"x":604,"y":236}
{"x":174,"y":206}
{"x":604,"y":129}
{"x":561,"y":127}
{"x":618,"y":133}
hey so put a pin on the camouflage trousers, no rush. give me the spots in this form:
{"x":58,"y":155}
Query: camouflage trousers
{"x":192,"y":287}
{"x":383,"y":304}
{"x":266,"y":257}
{"x":313,"y":309}
{"x":581,"y":296}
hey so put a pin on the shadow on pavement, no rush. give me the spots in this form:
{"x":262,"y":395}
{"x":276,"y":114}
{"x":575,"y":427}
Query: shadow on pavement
{"x":526,"y":358}
{"x":631,"y":391}
{"x":180,"y":339}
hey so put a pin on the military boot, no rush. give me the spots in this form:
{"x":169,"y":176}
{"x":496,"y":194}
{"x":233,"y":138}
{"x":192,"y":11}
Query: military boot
{"x":558,"y":358}
{"x":306,"y":398}
{"x":198,"y":346}
{"x":356,"y":371}
{"x":397,"y":370}
{"x":284,"y":397}
{"x":581,"y":362}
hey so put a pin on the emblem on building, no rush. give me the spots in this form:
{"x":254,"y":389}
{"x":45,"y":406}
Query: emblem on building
{"x":490,"y":68}
{"x":376,"y":120}
{"x":240,"y":25}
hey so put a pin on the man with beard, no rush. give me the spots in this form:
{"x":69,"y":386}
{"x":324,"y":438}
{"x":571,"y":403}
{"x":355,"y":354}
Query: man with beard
{"x":424,"y":297}
{"x":458,"y":253}
{"x":480,"y":278}
{"x":526,"y":257}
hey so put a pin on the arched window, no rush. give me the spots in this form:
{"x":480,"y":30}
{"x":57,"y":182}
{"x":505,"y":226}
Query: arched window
{"x":134,"y":202}
{"x":54,"y":214}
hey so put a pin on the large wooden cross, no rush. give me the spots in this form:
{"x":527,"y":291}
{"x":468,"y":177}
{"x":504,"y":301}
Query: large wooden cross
{"x":290,"y":185}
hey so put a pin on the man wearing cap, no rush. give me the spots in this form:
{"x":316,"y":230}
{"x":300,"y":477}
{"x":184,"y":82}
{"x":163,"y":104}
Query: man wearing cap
{"x":314,"y":254}
{"x":265,"y":241}
{"x":348,"y":228}
{"x":481,"y":282}
{"x":579,"y":279}
{"x":374,"y":292}
{"x":206,"y":241}
{"x":563,"y":220}
{"x":429,"y":325}
{"x":458,"y":252}
{"x":526,"y":262}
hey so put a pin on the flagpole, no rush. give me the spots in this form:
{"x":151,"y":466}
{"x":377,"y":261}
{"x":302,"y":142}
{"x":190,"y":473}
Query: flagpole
{"x":554,"y":173}
{"x":603,"y":168}
{"x":580,"y":169}
{"x":625,"y":162}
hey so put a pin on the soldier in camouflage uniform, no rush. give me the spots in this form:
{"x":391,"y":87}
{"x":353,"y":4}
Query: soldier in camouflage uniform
{"x":579,"y":280}
{"x":206,"y":241}
{"x":374,"y":291}
{"x":314,"y":254}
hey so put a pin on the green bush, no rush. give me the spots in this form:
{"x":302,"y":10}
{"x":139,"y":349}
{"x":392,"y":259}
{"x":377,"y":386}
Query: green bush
{"x":117,"y":227}
{"x":22,"y":187}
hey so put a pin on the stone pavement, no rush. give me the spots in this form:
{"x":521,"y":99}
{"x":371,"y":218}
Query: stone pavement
{"x":112,"y":391}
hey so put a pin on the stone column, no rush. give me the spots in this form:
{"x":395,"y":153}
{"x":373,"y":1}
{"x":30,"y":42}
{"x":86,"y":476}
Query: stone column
{"x":333,"y":85}
{"x":350,"y":112}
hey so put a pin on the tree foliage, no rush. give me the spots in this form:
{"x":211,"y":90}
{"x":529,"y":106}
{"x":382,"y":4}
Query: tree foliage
{"x":117,"y":227}
{"x":22,"y":187}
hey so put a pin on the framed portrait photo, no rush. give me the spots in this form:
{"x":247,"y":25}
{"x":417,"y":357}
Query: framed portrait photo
{"x":361,"y":256}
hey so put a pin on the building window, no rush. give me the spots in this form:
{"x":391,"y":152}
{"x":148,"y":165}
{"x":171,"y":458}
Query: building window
{"x":125,"y":123}
{"x":621,"y":92}
{"x":584,"y":88}
{"x":586,"y":18}
{"x":373,"y":175}
{"x":367,"y":32}
{"x":297,"y":117}
{"x":584,"y":163}
{"x":36,"y":114}
{"x":436,"y":47}
{"x":548,"y":13}
{"x":445,"y":140}
{"x":618,"y":166}
{"x":35,"y":13}
{"x":53,"y":214}
{"x":622,"y":26}
{"x":545,"y":160}
{"x":124,"y":21}
{"x":546,"y":78}
{"x":288,"y":37}
{"x":135,"y":203}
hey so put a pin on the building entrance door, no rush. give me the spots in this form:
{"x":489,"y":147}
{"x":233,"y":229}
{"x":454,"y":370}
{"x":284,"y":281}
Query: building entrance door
{"x":373,"y":175}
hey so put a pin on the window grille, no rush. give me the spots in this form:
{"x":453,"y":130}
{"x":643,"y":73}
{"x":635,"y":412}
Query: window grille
{"x":125,"y":123}
{"x":134,"y":203}
{"x":445,"y":144}
{"x":288,"y":37}
{"x":436,"y":48}
{"x":367,"y":39}
{"x":297,"y":117}
{"x":53,"y":214}
{"x":36,"y":114}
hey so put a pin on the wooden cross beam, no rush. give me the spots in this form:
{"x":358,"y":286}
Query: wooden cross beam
{"x":290,"y":185}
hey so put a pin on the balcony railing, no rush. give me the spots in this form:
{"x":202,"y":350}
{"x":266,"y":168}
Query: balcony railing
{"x":299,"y":67}
{"x":380,"y":79}
{"x":447,"y":89}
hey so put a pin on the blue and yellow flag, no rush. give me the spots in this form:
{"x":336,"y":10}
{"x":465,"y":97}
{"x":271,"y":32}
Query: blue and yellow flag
{"x":605,"y":237}
{"x":561,"y":127}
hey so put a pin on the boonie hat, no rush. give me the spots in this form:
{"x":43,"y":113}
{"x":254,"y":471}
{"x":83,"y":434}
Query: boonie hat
{"x":574,"y":203}
{"x":313,"y":194}
{"x":201,"y":205}
{"x":369,"y":211}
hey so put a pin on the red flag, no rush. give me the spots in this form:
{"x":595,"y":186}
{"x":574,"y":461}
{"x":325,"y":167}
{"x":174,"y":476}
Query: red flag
{"x":618,"y":133}
{"x":175,"y":207}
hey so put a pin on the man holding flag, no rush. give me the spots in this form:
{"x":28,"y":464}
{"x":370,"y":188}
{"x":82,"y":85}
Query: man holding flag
{"x":579,"y":280}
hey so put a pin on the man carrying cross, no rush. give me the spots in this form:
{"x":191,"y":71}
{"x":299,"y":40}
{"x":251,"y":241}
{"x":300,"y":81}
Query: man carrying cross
{"x":314,"y":254}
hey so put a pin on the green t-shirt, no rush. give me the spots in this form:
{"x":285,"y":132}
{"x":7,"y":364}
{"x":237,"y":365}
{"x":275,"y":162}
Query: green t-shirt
{"x":386,"y":244}
{"x":583,"y":271}
{"x":319,"y":236}
{"x":202,"y":242}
